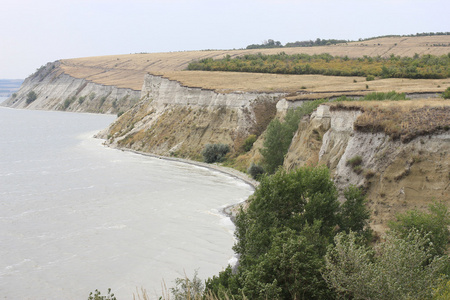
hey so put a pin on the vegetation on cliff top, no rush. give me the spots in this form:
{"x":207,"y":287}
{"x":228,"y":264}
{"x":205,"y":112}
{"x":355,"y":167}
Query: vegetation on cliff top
{"x":425,"y":66}
{"x":402,"y":120}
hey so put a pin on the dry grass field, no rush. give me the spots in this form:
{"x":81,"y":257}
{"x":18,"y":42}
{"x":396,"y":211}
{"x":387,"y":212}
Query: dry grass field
{"x":128,"y":70}
{"x":403,"y":119}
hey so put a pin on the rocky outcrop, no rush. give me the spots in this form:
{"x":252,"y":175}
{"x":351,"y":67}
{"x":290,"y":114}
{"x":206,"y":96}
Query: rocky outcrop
{"x":396,"y":176}
{"x":176,"y":120}
{"x":55,"y":90}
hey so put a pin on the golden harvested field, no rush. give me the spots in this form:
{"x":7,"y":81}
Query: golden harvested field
{"x":128,"y":70}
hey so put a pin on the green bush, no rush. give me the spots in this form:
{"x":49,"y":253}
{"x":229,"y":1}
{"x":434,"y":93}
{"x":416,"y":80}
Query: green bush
{"x":433,"y":223}
{"x":354,"y":161}
{"x":248,"y":143}
{"x":68,"y":102}
{"x":370,"y":78}
{"x":385,"y":96}
{"x":31,"y":96}
{"x":255,"y":171}
{"x":188,"y":289}
{"x":215,"y":152}
{"x":400,"y":267}
{"x":446,"y":94}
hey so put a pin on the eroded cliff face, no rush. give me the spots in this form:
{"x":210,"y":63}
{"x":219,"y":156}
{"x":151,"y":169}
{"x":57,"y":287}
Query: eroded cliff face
{"x":175,"y":120}
{"x":56,"y":90}
{"x":397,"y":176}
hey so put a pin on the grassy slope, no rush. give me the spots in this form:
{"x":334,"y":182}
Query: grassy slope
{"x":128,"y":70}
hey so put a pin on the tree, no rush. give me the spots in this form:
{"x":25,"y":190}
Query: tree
{"x":398,"y":268}
{"x":215,"y":152}
{"x":31,"y":96}
{"x":277,"y":141}
{"x":282,"y":237}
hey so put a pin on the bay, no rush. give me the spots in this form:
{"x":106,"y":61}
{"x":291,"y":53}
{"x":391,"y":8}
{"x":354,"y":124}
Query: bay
{"x":76,"y":216}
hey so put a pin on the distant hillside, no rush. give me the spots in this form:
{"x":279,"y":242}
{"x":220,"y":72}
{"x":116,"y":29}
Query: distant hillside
{"x":127,"y":71}
{"x":9,"y":86}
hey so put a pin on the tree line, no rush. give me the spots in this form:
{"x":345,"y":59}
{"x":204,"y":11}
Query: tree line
{"x":270,"y":43}
{"x":419,"y":66}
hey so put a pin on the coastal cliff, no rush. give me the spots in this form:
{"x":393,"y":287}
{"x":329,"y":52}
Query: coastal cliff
{"x":53,"y":89}
{"x":397,"y":176}
{"x":175,"y":120}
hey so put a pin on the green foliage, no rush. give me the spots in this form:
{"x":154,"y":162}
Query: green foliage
{"x":398,"y":268}
{"x":285,"y":200}
{"x":266,"y":44}
{"x":354,"y":213}
{"x":97,"y":296}
{"x":276,"y":144}
{"x":370,"y":77}
{"x":375,"y":96}
{"x":446,"y":94}
{"x":426,"y":66}
{"x":355,"y":163}
{"x":120,"y":113}
{"x":283,"y":235}
{"x":215,"y":152}
{"x":442,"y":292}
{"x":248,"y":143}
{"x":186,"y":288}
{"x":81,"y":99}
{"x":255,"y":171}
{"x":68,"y":102}
{"x":102,"y":100}
{"x":279,"y":135}
{"x":433,"y":224}
{"x":31,"y":96}
{"x":92,"y":96}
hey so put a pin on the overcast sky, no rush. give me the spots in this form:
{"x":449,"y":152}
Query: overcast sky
{"x":34,"y":32}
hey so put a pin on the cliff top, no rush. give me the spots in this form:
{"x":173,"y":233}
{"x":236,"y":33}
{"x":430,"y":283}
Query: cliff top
{"x":127,"y":71}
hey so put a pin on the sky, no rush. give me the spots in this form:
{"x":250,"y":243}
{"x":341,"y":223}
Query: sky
{"x":34,"y":32}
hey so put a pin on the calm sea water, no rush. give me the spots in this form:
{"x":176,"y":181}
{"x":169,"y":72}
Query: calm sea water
{"x":76,"y":216}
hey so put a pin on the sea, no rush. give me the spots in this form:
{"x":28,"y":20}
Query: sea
{"x":76,"y":216}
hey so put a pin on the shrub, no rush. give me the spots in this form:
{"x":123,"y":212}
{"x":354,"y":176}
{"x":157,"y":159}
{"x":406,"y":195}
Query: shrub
{"x":255,"y":171}
{"x":248,"y":143}
{"x":434,"y":224}
{"x":370,"y":78}
{"x":215,"y":152}
{"x":354,"y":161}
{"x":188,"y":289}
{"x":98,"y":296}
{"x":393,"y":95}
{"x":81,"y":99}
{"x":31,"y":96}
{"x":401,"y":267}
{"x":68,"y":101}
{"x":446,"y":94}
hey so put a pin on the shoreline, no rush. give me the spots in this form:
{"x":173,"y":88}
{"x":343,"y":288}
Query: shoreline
{"x":227,"y":210}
